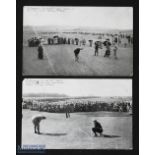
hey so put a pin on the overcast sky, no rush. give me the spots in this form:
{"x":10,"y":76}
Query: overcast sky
{"x":101,"y":17}
{"x":79,"y":87}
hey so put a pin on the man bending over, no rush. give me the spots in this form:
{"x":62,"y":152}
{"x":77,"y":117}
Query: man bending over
{"x":36,"y":122}
{"x":76,"y":52}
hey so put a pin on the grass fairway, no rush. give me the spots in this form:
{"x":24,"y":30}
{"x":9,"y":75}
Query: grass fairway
{"x":59,"y":60}
{"x":57,"y":132}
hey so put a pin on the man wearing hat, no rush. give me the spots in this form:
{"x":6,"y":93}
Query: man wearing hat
{"x":97,"y":128}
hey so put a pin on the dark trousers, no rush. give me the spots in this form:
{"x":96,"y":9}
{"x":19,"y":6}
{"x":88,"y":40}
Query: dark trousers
{"x":67,"y":114}
{"x":107,"y":53}
{"x":97,"y":130}
{"x":36,"y":128}
{"x":40,"y":55}
{"x":96,"y":52}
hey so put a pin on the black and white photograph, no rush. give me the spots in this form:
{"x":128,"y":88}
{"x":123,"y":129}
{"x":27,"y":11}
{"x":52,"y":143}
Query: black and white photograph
{"x":77,"y":77}
{"x":77,"y":41}
{"x":77,"y":113}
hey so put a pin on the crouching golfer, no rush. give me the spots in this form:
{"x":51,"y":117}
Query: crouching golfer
{"x":36,"y":122}
{"x":76,"y":52}
{"x":97,"y":128}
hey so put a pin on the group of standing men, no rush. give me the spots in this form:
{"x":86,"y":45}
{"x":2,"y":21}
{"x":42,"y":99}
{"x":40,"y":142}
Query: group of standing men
{"x":108,"y":46}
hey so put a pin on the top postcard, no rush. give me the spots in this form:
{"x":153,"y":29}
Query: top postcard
{"x":77,"y":41}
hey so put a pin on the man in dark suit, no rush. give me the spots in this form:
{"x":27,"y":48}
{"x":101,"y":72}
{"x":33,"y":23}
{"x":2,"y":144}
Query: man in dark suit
{"x":97,"y":128}
{"x":40,"y":51}
{"x":36,"y":122}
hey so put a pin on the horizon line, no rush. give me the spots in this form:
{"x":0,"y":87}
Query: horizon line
{"x":129,"y":29}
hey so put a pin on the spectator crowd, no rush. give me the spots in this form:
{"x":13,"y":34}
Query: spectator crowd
{"x":77,"y":106}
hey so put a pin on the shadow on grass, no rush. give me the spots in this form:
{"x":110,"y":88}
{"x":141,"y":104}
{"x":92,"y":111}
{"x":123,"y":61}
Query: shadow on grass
{"x":54,"y":134}
{"x":110,"y":136}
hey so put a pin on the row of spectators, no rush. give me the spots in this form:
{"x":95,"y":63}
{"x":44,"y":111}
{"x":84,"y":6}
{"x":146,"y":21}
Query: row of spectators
{"x":64,"y":40}
{"x":120,"y":39}
{"x":77,"y":106}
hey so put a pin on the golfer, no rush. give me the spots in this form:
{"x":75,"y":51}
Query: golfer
{"x":36,"y":122}
{"x":97,"y":128}
{"x":76,"y":53}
